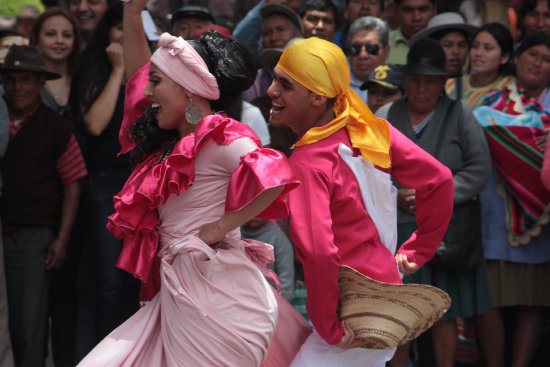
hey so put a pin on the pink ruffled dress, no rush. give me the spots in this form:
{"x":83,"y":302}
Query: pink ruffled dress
{"x":213,"y":306}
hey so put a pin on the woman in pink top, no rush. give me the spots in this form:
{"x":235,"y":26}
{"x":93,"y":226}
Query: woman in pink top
{"x":199,"y":176}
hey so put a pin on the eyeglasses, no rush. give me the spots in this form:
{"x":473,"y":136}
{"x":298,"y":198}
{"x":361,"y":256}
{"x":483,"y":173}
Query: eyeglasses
{"x":371,"y":48}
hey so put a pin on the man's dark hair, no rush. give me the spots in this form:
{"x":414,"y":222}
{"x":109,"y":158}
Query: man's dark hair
{"x":319,"y":5}
{"x":527,"y":6}
{"x":398,"y":2}
{"x":380,"y":1}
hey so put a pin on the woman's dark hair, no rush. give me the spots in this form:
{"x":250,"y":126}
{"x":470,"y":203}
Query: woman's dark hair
{"x":77,"y":44}
{"x":532,"y":41}
{"x":504,"y":40}
{"x":234,"y":69}
{"x":149,"y":137}
{"x":94,"y":68}
{"x":381,"y":3}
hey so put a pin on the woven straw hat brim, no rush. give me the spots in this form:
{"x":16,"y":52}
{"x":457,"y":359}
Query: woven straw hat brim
{"x":385,"y":315}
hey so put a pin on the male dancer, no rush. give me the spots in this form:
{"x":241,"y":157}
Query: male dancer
{"x":329,"y":223}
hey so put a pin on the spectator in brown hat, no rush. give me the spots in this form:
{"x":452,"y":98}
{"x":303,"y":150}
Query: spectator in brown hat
{"x":40,"y":170}
{"x":280,"y":25}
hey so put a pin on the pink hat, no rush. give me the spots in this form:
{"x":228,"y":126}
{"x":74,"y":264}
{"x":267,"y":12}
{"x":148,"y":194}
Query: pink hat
{"x":177,"y":59}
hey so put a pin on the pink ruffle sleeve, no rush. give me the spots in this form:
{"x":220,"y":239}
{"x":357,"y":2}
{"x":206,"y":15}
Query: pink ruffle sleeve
{"x":260,"y":170}
{"x":135,"y":219}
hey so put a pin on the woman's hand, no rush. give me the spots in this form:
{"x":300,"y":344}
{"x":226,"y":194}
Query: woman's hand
{"x":406,"y":267}
{"x":211,"y":233}
{"x":406,"y":200}
{"x":348,"y":340}
{"x":115,"y":55}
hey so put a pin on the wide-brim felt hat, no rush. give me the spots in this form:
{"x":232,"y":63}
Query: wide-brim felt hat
{"x":270,"y":56}
{"x":276,"y":8}
{"x":450,"y":21}
{"x":426,"y":57}
{"x":385,"y":315}
{"x":27,"y":58}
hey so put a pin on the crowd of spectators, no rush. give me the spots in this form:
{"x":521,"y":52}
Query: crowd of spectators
{"x":63,"y":86}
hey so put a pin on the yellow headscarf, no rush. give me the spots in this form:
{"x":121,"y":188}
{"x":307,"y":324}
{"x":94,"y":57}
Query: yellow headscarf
{"x":321,"y":67}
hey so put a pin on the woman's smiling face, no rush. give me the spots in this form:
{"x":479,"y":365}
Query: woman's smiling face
{"x":56,"y":38}
{"x":170,"y":97}
{"x":533,"y":67}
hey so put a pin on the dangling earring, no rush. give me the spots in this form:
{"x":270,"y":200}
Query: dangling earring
{"x":193,"y":112}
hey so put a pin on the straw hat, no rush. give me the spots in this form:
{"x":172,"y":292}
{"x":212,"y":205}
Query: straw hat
{"x":387,"y":315}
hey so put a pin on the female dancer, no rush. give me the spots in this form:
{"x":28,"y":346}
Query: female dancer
{"x":56,"y":34}
{"x":200,"y":176}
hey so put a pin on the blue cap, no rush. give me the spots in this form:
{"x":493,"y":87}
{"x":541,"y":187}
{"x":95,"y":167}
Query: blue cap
{"x":386,"y":76}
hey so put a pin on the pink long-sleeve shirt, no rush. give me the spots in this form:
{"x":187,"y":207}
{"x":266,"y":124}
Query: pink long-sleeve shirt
{"x":330,"y":226}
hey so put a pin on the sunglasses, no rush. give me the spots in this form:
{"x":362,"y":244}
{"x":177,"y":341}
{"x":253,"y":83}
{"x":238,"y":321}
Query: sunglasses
{"x":371,"y":48}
